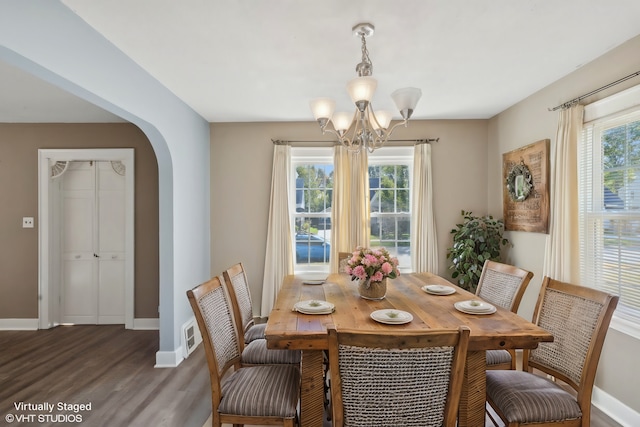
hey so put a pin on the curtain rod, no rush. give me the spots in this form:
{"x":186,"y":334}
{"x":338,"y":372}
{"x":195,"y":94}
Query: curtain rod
{"x":580,"y":98}
{"x":412,"y":141}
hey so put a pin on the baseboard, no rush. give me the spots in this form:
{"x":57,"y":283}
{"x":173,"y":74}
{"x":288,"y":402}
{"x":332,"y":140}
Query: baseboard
{"x":169,"y":359}
{"x":146,"y":324}
{"x":613,"y":408}
{"x":18,"y":324}
{"x":32,"y":324}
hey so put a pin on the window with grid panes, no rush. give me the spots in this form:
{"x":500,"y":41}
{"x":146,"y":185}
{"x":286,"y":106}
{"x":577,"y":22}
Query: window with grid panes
{"x":313,"y":186}
{"x":390,"y":174}
{"x":609,"y":197}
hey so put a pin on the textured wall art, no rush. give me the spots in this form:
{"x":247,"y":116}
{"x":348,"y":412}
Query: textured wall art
{"x":525,"y":194}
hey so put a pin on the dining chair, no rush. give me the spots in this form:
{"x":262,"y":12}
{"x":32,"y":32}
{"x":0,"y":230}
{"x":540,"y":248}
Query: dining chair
{"x":240,"y":394}
{"x":253,"y":346}
{"x":343,"y":257}
{"x":578,"y":317}
{"x":237,"y":285}
{"x":502,"y":285}
{"x":408,"y":378}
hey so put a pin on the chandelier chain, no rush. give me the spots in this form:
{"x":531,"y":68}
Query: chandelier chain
{"x":362,"y":70}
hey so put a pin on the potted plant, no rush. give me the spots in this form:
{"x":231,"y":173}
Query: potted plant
{"x":476,"y":239}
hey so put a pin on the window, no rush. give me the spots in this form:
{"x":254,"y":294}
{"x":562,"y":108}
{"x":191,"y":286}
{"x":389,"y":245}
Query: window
{"x":609,"y":197}
{"x":389,"y":186}
{"x":389,"y":189}
{"x":313,"y":186}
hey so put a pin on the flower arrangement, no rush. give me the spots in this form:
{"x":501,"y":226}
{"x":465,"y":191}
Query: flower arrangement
{"x":372,"y":265}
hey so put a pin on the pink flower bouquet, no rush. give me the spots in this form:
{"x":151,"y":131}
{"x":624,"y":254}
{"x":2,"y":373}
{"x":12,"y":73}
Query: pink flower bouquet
{"x":372,"y":265}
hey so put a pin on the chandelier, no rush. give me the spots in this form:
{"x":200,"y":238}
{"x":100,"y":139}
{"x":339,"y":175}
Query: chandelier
{"x":364,"y":128}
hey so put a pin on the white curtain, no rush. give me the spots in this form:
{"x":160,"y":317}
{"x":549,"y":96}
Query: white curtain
{"x":350,"y":225}
{"x":278,"y":260}
{"x":562,"y":249}
{"x":424,"y":241}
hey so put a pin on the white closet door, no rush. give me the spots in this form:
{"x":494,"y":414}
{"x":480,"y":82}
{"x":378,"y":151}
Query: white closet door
{"x":110,"y":245}
{"x":92,"y":290}
{"x":79,"y":293}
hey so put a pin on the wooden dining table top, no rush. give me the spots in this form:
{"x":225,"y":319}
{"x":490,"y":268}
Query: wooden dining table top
{"x":288,"y":329}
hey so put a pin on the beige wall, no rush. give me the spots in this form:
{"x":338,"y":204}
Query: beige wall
{"x":241,"y":161}
{"x":19,"y":144}
{"x":530,"y":121}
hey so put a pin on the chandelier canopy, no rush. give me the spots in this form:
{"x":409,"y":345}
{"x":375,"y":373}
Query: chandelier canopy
{"x":365,"y":128}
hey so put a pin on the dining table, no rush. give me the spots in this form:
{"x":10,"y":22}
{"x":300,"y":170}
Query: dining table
{"x":288,"y":328}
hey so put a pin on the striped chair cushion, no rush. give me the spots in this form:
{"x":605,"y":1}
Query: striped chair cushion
{"x":257,"y":353}
{"x":497,"y":357}
{"x":261,"y":391}
{"x":255,"y":332}
{"x":525,"y":397}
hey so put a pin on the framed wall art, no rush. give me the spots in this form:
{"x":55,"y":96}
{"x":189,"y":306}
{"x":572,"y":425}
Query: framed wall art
{"x":525,"y":193}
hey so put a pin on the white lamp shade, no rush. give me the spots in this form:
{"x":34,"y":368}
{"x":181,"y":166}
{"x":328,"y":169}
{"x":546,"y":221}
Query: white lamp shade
{"x":342,"y":121}
{"x":322,"y":108}
{"x":406,"y":98}
{"x":383,"y":119}
{"x":362,"y":88}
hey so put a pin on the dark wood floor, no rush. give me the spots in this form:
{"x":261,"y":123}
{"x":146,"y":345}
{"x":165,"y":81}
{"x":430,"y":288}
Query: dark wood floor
{"x":111,"y":368}
{"x":107,"y":366}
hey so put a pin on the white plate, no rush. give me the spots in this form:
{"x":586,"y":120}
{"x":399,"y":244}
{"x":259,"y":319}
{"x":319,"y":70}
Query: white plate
{"x":391,"y":316}
{"x":439,"y":289}
{"x":314,"y":307}
{"x":313,"y":282}
{"x":474,"y":307}
{"x":312,"y":277}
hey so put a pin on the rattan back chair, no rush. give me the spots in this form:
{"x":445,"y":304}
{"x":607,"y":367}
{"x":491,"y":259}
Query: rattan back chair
{"x":408,"y":378}
{"x":578,"y":317}
{"x":238,"y":287}
{"x":254,"y":345}
{"x":251,"y":395}
{"x":502,"y":285}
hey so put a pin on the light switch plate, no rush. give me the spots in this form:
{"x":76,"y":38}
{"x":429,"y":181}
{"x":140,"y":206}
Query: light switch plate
{"x":27,"y":222}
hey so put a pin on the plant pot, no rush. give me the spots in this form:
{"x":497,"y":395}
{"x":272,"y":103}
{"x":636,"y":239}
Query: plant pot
{"x":372,"y":290}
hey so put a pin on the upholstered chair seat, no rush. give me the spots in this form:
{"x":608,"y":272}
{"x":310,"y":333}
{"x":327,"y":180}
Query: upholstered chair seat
{"x":526,"y":398}
{"x":249,"y":392}
{"x":254,"y":332}
{"x":257,"y":353}
{"x":498,"y":358}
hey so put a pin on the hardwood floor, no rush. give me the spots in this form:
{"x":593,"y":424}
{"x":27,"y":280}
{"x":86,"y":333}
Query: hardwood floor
{"x":107,"y":366}
{"x":112,"y":369}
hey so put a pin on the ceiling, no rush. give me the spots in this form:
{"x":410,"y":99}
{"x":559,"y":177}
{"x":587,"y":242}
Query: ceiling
{"x":247,"y":60}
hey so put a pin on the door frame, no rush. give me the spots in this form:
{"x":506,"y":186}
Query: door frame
{"x":48,"y":285}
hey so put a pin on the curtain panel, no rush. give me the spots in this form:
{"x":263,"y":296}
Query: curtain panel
{"x":424,"y":241}
{"x":350,"y":226}
{"x":562,"y":254}
{"x":279,"y":251}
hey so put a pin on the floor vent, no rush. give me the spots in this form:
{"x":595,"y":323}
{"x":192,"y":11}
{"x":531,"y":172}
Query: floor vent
{"x":190,"y":337}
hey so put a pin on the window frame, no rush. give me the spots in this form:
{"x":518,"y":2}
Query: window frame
{"x":612,"y":111}
{"x":387,"y":155}
{"x":305,"y":156}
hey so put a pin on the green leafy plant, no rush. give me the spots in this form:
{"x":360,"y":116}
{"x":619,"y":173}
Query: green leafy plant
{"x":475,"y":240}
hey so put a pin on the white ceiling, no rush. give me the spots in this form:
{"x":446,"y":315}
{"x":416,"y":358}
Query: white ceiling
{"x":248,"y":60}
